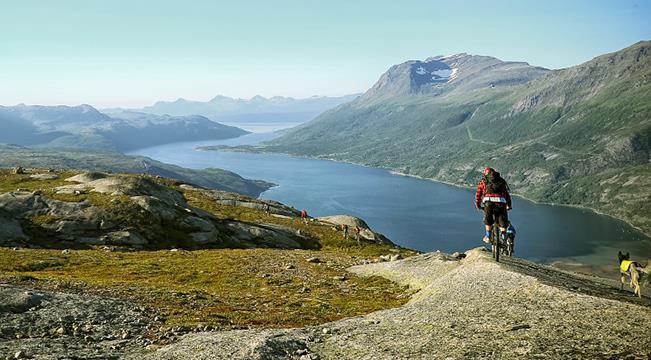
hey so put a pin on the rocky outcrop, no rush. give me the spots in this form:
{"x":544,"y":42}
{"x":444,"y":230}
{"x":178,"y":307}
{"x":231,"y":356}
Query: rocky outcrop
{"x":124,"y":185}
{"x":464,"y":307}
{"x":353,"y":223}
{"x":135,"y":212}
{"x":233,"y":199}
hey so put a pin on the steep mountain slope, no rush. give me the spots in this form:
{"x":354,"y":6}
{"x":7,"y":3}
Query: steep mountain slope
{"x":579,"y":136}
{"x":258,"y":109}
{"x":85,"y":127}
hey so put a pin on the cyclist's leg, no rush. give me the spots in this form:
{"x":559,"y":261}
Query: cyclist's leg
{"x":489,"y":220}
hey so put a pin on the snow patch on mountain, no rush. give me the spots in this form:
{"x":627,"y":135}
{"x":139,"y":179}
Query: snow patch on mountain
{"x":453,"y":75}
{"x":443,"y":73}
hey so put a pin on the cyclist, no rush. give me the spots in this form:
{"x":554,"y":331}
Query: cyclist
{"x":493,"y":197}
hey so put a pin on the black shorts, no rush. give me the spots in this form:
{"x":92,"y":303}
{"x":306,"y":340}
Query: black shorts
{"x":496,"y":212}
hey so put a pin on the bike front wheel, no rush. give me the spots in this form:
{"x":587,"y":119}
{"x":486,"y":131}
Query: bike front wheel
{"x":496,"y":244}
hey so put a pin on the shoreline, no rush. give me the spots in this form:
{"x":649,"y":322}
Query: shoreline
{"x":398,"y":173}
{"x":258,"y":150}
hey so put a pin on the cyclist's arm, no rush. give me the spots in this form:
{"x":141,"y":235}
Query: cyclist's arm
{"x":479,"y":194}
{"x":508,"y":201}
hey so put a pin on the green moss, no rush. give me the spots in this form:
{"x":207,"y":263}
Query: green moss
{"x":42,"y":219}
{"x":223,"y":288}
{"x":13,"y":182}
{"x":226,"y":288}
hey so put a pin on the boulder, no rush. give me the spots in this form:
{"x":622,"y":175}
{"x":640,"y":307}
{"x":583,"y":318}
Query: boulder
{"x":87,"y":177}
{"x":127,"y":185}
{"x":137,"y":186}
{"x":124,"y":238}
{"x":205,"y":238}
{"x":232,"y":199}
{"x":15,"y":204}
{"x":353,"y":222}
{"x":197,"y":224}
{"x":339,"y":220}
{"x":18,"y":302}
{"x":259,"y":235}
{"x":71,"y":189}
{"x":44,"y":176}
{"x":10,"y":230}
{"x":156,"y":207}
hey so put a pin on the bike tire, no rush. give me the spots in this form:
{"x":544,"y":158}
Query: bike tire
{"x":496,"y":243}
{"x":509,"y":246}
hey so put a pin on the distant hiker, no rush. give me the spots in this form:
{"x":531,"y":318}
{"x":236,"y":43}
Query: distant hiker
{"x":344,"y":227}
{"x":266,"y":208}
{"x":304,"y":216}
{"x":493,"y":197}
{"x":358,"y":234}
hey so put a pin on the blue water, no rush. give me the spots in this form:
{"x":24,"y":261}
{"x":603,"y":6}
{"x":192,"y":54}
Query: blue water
{"x":415,"y":213}
{"x":262,"y":127}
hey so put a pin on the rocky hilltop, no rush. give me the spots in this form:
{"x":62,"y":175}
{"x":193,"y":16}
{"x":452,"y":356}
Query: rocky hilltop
{"x":465,"y":306}
{"x":103,"y":265}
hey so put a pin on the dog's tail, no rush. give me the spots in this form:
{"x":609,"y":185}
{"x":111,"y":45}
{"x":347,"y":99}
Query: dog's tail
{"x":647,"y":268}
{"x":644,"y":272}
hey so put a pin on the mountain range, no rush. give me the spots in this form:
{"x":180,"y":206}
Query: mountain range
{"x":85,"y":127}
{"x":578,"y":136}
{"x":238,"y":112}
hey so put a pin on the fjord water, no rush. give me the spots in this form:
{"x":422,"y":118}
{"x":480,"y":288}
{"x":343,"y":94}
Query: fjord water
{"x":415,"y":213}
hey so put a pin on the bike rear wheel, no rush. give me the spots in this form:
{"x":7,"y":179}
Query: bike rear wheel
{"x":509,"y":247}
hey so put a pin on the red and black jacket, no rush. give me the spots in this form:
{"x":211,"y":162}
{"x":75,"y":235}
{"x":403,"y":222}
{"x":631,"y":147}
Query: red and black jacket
{"x":481,"y":194}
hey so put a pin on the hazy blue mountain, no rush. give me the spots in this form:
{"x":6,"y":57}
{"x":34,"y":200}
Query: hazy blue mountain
{"x":85,"y":127}
{"x":16,"y":130}
{"x":579,"y":136}
{"x":257,"y":109}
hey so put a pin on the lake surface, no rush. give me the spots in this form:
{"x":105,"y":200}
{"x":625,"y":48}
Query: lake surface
{"x":262,"y":127}
{"x":415,"y":213}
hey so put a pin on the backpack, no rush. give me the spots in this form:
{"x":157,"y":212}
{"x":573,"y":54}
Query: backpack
{"x":495,"y":184}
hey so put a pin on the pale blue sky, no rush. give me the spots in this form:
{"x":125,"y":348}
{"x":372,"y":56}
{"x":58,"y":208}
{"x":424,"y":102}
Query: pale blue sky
{"x":132,"y":53}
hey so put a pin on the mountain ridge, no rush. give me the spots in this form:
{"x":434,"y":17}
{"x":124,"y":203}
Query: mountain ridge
{"x":568,"y":136}
{"x":84,"y":126}
{"x":240,"y":111}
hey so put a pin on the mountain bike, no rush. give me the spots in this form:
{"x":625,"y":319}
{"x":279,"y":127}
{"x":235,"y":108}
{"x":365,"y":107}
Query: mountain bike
{"x":508,"y":249}
{"x":500,"y":246}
